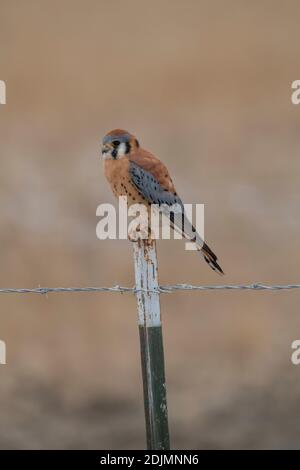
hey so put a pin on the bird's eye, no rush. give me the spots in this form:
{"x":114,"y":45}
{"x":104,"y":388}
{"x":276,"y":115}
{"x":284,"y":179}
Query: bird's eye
{"x":116,"y":143}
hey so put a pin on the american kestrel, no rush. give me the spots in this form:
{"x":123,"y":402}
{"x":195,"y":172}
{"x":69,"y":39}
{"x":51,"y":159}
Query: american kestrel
{"x":143,"y":178}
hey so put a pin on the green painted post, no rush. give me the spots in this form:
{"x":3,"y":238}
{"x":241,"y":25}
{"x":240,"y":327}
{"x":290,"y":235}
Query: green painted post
{"x":151,"y":342}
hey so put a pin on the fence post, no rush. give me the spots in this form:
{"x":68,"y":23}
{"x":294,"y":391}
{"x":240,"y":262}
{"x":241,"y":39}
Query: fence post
{"x":151,"y":343}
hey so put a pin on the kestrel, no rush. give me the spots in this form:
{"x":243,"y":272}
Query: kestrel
{"x":143,"y":178}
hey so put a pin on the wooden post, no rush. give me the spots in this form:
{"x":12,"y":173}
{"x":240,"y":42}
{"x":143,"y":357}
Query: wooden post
{"x":151,"y":342}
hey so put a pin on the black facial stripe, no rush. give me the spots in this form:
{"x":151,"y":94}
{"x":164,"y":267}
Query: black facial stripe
{"x":127,"y":150}
{"x":114,"y":153}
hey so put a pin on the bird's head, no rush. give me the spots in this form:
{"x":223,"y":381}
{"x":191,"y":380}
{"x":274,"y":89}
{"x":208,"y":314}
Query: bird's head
{"x":118,"y":143}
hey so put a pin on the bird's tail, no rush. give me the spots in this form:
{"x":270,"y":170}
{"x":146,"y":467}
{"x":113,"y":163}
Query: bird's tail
{"x":211,"y":258}
{"x":183,"y":226}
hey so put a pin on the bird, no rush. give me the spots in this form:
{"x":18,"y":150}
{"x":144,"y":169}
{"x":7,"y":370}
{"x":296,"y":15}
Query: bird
{"x":139,"y":175}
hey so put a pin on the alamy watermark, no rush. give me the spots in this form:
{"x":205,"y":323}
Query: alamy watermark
{"x":295,"y":357}
{"x":141,"y":221}
{"x":295,"y":96}
{"x":2,"y":352}
{"x":2,"y":92}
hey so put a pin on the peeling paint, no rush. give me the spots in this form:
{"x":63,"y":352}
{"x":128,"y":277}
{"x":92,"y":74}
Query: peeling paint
{"x":146,"y":278}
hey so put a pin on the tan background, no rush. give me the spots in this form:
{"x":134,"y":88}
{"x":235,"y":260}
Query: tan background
{"x":206,"y":86}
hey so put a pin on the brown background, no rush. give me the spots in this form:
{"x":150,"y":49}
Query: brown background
{"x":206,"y":86}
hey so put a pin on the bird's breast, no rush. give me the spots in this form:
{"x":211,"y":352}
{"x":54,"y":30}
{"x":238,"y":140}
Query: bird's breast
{"x":119,"y":178}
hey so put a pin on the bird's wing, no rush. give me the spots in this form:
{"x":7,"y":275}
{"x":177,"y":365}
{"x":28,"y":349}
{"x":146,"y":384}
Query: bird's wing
{"x":150,"y":187}
{"x":151,"y":178}
{"x":148,"y":162}
{"x":153,"y":186}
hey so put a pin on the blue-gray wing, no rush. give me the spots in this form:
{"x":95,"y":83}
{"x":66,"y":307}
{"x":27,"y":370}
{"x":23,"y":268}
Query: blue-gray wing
{"x":150,"y":188}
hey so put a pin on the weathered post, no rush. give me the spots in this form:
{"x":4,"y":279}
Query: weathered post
{"x":151,"y":342}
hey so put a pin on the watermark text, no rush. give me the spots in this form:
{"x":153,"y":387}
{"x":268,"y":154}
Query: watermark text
{"x":141,"y":221}
{"x":2,"y":92}
{"x":295,"y":96}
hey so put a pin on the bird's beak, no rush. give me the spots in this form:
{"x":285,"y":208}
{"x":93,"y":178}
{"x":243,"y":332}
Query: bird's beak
{"x":106,"y":148}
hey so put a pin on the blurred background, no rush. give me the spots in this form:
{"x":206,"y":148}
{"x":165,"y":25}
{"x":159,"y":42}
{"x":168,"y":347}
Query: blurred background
{"x":206,"y":86}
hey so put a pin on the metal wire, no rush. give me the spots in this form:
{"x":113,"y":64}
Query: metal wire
{"x":160,"y":290}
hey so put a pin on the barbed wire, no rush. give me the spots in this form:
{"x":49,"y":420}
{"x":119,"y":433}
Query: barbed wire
{"x":164,"y":289}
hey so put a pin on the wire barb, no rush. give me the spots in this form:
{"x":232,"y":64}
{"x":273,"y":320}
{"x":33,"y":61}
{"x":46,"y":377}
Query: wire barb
{"x":166,"y":289}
